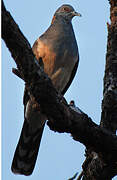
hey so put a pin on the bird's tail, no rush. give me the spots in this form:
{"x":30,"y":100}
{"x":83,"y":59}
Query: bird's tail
{"x":26,"y":151}
{"x":28,"y":146}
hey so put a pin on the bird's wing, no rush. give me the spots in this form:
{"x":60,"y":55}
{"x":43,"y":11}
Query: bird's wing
{"x":71,"y":77}
{"x":51,"y":62}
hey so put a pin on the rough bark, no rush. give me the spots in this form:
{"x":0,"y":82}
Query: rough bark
{"x":109,"y":103}
{"x":101,"y":143}
{"x":95,"y":167}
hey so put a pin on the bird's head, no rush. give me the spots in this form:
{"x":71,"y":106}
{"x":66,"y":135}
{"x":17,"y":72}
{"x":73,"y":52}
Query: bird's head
{"x":67,"y":11}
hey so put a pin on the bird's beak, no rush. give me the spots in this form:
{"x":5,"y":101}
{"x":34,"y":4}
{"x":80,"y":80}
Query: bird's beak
{"x":74,"y":13}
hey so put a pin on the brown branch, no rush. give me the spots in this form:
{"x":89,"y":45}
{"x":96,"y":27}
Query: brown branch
{"x":102,"y":170}
{"x":109,"y":103}
{"x":61,"y":117}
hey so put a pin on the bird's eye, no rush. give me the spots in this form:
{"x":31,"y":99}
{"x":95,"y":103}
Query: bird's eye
{"x":66,"y":9}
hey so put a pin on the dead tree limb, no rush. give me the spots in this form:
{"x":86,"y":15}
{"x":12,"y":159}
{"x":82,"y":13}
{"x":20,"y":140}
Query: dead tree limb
{"x":109,"y":103}
{"x":94,"y":166}
{"x":61,"y":117}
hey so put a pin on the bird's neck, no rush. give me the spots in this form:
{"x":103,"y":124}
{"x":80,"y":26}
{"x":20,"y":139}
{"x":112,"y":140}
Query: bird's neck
{"x":61,"y":24}
{"x":60,"y":19}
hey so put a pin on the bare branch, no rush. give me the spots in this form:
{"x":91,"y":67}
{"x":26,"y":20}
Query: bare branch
{"x":95,"y":167}
{"x":109,"y":103}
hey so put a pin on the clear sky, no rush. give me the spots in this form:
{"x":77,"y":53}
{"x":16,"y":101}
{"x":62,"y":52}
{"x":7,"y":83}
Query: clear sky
{"x":60,"y":157}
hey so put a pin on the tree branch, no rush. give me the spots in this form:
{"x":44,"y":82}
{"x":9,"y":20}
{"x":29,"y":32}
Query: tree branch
{"x":102,"y":170}
{"x":109,"y":103}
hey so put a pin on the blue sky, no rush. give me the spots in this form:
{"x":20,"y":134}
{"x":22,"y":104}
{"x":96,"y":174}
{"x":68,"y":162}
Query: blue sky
{"x":60,"y":157}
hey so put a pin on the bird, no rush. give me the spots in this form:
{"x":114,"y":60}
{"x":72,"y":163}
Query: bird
{"x":56,"y":50}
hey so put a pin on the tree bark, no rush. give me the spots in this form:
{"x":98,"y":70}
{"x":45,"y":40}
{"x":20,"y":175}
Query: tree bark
{"x":100,"y":141}
{"x":95,"y":167}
